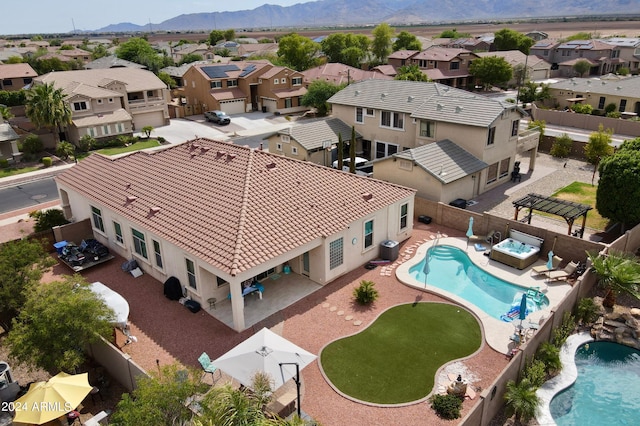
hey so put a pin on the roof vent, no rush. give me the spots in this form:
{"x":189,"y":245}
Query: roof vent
{"x":154,"y":210}
{"x":367,"y":196}
{"x":619,"y":88}
{"x":357,"y":92}
{"x":439,"y":107}
{"x":204,"y":149}
{"x":271,"y":165}
{"x":131,"y":198}
{"x":458,"y":109}
{"x":220,"y":154}
{"x":127,"y":186}
{"x":410,"y":98}
{"x":230,"y":157}
{"x":604,"y":82}
{"x":589,"y":82}
{"x":383,"y":95}
{"x":194,"y":146}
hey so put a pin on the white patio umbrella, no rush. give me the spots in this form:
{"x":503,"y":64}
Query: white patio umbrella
{"x":266,"y":352}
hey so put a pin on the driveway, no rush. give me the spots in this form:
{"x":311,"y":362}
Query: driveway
{"x":249,"y":124}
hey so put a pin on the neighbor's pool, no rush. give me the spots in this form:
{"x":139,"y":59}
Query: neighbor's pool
{"x":606,"y":391}
{"x":449,"y":268}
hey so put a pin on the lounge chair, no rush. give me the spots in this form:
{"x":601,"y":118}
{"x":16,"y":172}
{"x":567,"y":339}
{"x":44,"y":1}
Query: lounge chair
{"x":208,"y":367}
{"x":542,"y":269}
{"x":563,"y":274}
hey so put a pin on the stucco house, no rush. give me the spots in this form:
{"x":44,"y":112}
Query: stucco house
{"x":395,"y":116}
{"x":603,"y":57}
{"x":215,"y":215}
{"x":624,"y":93}
{"x":244,"y":86}
{"x":337,"y":73}
{"x":109,"y":102}
{"x":629,"y":51}
{"x":537,"y":68}
{"x":14,"y":77}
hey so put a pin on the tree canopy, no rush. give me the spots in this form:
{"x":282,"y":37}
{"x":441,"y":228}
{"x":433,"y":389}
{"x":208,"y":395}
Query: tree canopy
{"x":298,"y":52}
{"x":581,"y":67}
{"x":507,"y":39}
{"x":491,"y":70}
{"x":47,"y":107}
{"x":349,"y":49}
{"x":406,"y":41}
{"x":318,"y":93}
{"x":56,"y":323}
{"x":453,"y":33}
{"x":381,"y":44}
{"x":412,"y":73}
{"x":138,"y":50}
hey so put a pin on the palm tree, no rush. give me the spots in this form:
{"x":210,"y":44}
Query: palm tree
{"x":618,"y":272}
{"x":521,"y":400}
{"x":46,"y":107}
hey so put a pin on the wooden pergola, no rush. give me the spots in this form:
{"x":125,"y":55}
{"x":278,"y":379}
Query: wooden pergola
{"x":569,"y":210}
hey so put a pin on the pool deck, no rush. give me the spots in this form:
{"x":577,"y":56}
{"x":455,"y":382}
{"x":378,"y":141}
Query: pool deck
{"x":497,"y":333}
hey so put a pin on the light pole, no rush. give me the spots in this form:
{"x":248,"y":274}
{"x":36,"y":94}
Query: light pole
{"x":297,"y":380}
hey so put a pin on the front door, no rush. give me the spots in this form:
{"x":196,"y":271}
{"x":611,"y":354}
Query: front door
{"x":305,"y":264}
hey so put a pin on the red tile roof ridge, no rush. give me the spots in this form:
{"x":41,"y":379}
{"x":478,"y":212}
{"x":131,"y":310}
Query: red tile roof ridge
{"x":237,"y":252}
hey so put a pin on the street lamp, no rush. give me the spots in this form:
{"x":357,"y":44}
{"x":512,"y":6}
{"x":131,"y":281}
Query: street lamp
{"x":297,"y":380}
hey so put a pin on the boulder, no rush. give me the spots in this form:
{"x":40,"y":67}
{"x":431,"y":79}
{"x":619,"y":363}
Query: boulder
{"x":635,"y":312}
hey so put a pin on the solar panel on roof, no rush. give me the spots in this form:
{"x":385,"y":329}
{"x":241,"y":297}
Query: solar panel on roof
{"x":248,"y":69}
{"x":219,"y":71}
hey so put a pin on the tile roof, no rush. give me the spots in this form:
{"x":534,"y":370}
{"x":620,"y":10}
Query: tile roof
{"x":339,"y":73}
{"x":432,"y":101}
{"x":629,"y":86}
{"x":75,"y":88}
{"x":116,"y":116}
{"x":445,"y":160}
{"x":135,"y":79}
{"x":231,"y":206}
{"x":17,"y":71}
{"x":311,"y":134}
{"x":289,"y":93}
{"x":7,"y":133}
{"x":112,"y":61}
{"x":436,"y":53}
{"x":513,"y":57}
{"x":403,"y":54}
{"x":226,"y":94}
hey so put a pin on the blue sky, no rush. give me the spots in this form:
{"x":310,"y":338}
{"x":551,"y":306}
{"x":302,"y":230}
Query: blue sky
{"x":49,"y":16}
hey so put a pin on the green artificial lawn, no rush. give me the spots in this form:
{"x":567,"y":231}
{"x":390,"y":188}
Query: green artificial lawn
{"x":395,"y":359}
{"x":583,"y":193}
{"x":12,"y":172}
{"x":133,"y":147}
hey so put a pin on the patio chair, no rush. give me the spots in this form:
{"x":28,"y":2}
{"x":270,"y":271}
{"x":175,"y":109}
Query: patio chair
{"x":563,"y":274}
{"x":542,"y":269}
{"x":208,"y":367}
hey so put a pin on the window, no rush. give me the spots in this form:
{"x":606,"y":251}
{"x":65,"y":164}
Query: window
{"x":504,"y":168}
{"x":157,"y":253}
{"x":191,"y":273}
{"x":335,"y":253}
{"x":405,"y":165}
{"x":139,"y":244}
{"x":106,"y":129}
{"x":276,"y":81}
{"x":283,"y":80}
{"x":285,"y":138}
{"x":545,"y":53}
{"x":265,"y":274}
{"x":80,"y":106}
{"x":368,"y":233}
{"x":623,"y":105}
{"x":394,"y":120}
{"x":492,"y":136}
{"x":296,"y":81}
{"x":492,"y":173}
{"x":221,"y":281}
{"x":454,"y":66}
{"x":99,"y":101}
{"x":110,"y":100}
{"x":97,"y":219}
{"x":515,"y":126}
{"x":384,"y":149}
{"x":370,"y":112}
{"x":359,"y":116}
{"x":232,"y":83}
{"x":278,"y":147}
{"x":601,"y":102}
{"x":287,"y":103}
{"x":427,"y":129}
{"x":294,"y":150}
{"x":216,"y":84}
{"x":118,"y":229}
{"x":91,"y":131}
{"x":404,"y":213}
{"x":149,"y":93}
{"x":120,"y":128}
{"x":7,"y":82}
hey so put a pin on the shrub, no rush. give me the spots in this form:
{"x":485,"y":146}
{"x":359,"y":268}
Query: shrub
{"x":564,"y":330}
{"x":46,"y":161}
{"x":32,"y":145}
{"x":161,"y":140}
{"x":561,"y":148}
{"x":623,"y":71}
{"x":65,"y":149}
{"x":535,"y":373}
{"x":365,"y":293}
{"x":446,"y":406}
{"x":4,"y":163}
{"x":86,"y":143}
{"x":587,"y":311}
{"x":13,"y":98}
{"x":582,"y":108}
{"x":47,"y":219}
{"x":614,"y":114}
{"x":549,"y":354}
{"x":610,"y":108}
{"x":521,"y":400}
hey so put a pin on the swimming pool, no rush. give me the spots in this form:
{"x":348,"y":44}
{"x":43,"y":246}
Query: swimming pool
{"x":606,"y":389}
{"x":449,"y":268}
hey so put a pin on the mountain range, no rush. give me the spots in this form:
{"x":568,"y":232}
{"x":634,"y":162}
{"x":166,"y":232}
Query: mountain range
{"x":335,"y":13}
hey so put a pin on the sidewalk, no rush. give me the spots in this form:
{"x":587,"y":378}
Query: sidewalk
{"x":33,"y":176}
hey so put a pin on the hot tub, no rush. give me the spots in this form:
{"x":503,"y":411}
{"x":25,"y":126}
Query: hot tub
{"x":520,"y":250}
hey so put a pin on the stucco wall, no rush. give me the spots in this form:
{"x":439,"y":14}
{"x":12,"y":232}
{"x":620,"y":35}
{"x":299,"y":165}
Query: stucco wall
{"x":586,"y":121}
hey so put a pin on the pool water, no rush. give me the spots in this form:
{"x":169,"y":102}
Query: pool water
{"x":449,"y":268}
{"x":516,"y":246}
{"x":606,"y":390}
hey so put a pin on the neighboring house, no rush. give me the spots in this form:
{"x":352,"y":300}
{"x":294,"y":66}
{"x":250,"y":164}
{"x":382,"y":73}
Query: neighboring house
{"x":14,"y":77}
{"x":388,"y":70}
{"x":394,"y":116}
{"x":227,"y":214}
{"x":603,"y":57}
{"x":314,"y":140}
{"x":537,"y":35}
{"x":109,"y":102}
{"x":629,"y":51}
{"x":537,"y":68}
{"x":79,"y":55}
{"x":246,"y":50}
{"x":473,"y":44}
{"x":112,"y":61}
{"x":337,"y":73}
{"x":401,"y":58}
{"x":243,"y":86}
{"x":231,"y":46}
{"x":624,"y":93}
{"x":177,"y":73}
{"x":444,"y":65}
{"x":8,"y":142}
{"x":178,"y":53}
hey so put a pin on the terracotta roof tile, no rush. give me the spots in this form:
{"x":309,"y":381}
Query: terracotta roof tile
{"x":233,"y":211}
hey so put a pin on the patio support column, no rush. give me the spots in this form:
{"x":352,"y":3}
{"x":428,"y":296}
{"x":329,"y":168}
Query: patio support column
{"x":237,"y":305}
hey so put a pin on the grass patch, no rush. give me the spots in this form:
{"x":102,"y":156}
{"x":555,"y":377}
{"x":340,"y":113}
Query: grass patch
{"x":395,"y":359}
{"x":14,"y":171}
{"x":583,"y":193}
{"x":133,"y":147}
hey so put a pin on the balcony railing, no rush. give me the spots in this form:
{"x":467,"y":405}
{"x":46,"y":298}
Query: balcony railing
{"x":528,"y":139}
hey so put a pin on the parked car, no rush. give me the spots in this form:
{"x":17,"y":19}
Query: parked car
{"x":218,"y":117}
{"x":72,"y":255}
{"x":363,"y":166}
{"x":94,"y":248}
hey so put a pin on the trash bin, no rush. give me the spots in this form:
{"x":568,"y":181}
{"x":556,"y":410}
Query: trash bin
{"x":264,"y":109}
{"x":459,"y":203}
{"x":389,"y":250}
{"x":424,"y":219}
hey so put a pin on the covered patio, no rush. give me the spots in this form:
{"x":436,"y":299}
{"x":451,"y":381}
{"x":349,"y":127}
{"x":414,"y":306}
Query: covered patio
{"x":280,"y":291}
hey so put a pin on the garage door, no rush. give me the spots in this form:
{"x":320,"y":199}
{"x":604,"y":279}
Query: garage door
{"x":233,"y":107}
{"x":271,"y":105}
{"x":153,"y":119}
{"x":539,"y":74}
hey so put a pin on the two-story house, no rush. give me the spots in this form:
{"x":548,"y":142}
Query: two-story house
{"x":536,"y":67}
{"x":604,"y":58}
{"x":396,"y":116}
{"x":337,"y":73}
{"x":109,"y":102}
{"x":629,"y":51}
{"x":14,"y":77}
{"x":239,"y":87}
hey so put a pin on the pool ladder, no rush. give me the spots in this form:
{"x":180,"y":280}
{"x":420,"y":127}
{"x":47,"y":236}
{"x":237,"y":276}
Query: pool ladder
{"x":496,"y":237}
